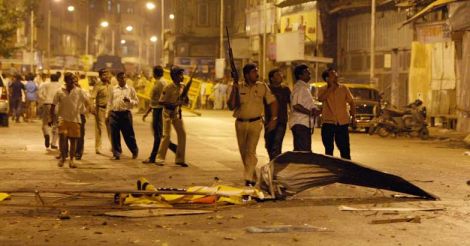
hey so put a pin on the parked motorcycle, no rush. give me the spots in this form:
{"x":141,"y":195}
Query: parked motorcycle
{"x":410,"y":121}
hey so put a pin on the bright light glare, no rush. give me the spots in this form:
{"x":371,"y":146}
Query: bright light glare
{"x":123,"y":41}
{"x":153,"y":39}
{"x":172,"y":16}
{"x":104,"y":24}
{"x":71,"y":8}
{"x":129,"y":28}
{"x":150,"y":5}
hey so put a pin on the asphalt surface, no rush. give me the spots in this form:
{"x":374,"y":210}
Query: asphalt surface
{"x":438,"y":165}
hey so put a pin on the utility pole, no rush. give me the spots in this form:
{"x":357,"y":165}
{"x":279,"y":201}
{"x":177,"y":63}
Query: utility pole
{"x":221,"y":43}
{"x":265,"y":17}
{"x":49,"y":38}
{"x":32,"y":42}
{"x":163,"y":34}
{"x":372,"y":46}
{"x":87,"y":37}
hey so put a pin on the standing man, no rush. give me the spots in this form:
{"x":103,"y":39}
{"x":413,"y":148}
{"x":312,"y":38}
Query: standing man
{"x":70,"y":101}
{"x":335,"y":115}
{"x":17,"y":89}
{"x":246,"y":99}
{"x":273,"y":139}
{"x":83,"y":112}
{"x":31,"y":89}
{"x":171,"y":101}
{"x":120,"y":102}
{"x":157,"y":110}
{"x":303,"y":110}
{"x":99,"y":98}
{"x":46,"y":93}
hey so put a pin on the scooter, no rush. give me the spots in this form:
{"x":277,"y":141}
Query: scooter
{"x":411,"y":121}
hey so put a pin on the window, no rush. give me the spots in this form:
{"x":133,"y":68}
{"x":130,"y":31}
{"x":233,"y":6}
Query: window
{"x":203,"y":14}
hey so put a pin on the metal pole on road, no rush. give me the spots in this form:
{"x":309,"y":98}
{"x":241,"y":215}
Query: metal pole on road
{"x":372,"y":45}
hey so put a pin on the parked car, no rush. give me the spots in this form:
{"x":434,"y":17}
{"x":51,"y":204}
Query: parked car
{"x":367,"y":101}
{"x":4,"y":106}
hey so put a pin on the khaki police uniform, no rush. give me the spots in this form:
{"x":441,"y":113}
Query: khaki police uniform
{"x":100,"y":98}
{"x":171,"y":94}
{"x":249,"y":123}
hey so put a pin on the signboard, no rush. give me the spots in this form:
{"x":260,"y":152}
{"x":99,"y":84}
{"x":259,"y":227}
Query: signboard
{"x":300,"y":17}
{"x":290,"y":46}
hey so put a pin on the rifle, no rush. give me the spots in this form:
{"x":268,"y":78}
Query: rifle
{"x":234,"y":71}
{"x":184,"y":95}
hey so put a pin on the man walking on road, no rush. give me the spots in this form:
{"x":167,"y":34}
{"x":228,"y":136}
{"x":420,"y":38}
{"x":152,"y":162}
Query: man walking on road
{"x":157,"y":110}
{"x":246,"y":99}
{"x":100,"y":99}
{"x":335,"y":115}
{"x":171,"y":101}
{"x":273,"y":139}
{"x":70,"y":101}
{"x":303,"y":110}
{"x":120,"y":102}
{"x":46,"y":94}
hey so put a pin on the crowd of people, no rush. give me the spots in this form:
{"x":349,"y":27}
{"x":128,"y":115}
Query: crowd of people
{"x":63,"y":108}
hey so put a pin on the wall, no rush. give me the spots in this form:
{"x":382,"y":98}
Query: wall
{"x":392,"y":52}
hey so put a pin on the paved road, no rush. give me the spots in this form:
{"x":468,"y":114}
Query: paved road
{"x":437,"y":166}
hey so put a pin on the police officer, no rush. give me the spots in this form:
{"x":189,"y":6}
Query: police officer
{"x":100,"y":99}
{"x":246,"y":99}
{"x":171,"y":101}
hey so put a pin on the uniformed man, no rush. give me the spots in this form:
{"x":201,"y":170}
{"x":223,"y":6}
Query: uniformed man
{"x":246,"y":99}
{"x":157,"y":112}
{"x":171,"y":100}
{"x":99,"y":98}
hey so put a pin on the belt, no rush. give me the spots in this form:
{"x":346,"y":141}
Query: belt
{"x":249,"y":120}
{"x":101,"y":106}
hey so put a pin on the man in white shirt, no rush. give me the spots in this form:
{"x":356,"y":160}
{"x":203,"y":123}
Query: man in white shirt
{"x":70,"y":101}
{"x":303,"y":110}
{"x":121,"y":99}
{"x":46,"y":95}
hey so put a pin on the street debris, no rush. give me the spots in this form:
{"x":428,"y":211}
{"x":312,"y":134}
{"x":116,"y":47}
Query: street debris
{"x":346,"y":208}
{"x":285,"y":228}
{"x":294,"y":172}
{"x":229,"y":238}
{"x":4,"y":196}
{"x":467,"y":153}
{"x":64,"y":215}
{"x":412,"y":219}
{"x":154,"y":213}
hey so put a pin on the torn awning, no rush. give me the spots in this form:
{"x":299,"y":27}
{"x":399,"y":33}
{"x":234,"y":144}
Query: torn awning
{"x":287,"y":3}
{"x":430,"y":7}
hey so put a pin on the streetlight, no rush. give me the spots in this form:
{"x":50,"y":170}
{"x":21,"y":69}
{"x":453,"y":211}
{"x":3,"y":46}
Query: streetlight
{"x":129,"y":28}
{"x":104,"y":24}
{"x":154,"y":40}
{"x":71,"y":8}
{"x":150,"y":5}
{"x":171,"y":16}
